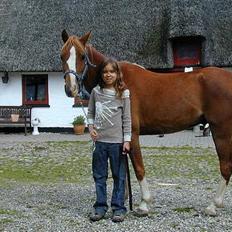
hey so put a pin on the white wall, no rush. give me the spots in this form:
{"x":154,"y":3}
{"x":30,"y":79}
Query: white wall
{"x":61,"y":111}
{"x":11,"y":93}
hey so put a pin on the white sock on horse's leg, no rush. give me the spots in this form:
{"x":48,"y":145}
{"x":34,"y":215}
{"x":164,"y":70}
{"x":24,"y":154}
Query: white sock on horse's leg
{"x":218,"y":199}
{"x":146,"y":195}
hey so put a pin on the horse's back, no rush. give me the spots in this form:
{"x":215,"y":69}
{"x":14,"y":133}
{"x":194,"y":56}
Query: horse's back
{"x":163,"y":103}
{"x":169,"y":102}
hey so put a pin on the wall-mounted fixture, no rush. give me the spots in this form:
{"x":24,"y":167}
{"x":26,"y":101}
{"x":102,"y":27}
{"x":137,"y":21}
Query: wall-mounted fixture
{"x":5,"y":78}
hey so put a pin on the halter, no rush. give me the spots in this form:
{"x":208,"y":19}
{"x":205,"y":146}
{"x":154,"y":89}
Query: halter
{"x":82,"y":76}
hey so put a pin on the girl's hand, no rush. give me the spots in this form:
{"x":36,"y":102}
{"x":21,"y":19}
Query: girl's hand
{"x":94,"y":135}
{"x":126,"y":148}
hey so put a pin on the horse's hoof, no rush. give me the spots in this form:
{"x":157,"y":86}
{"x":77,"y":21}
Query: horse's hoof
{"x":210,"y":211}
{"x":140,"y":213}
{"x":219,"y":203}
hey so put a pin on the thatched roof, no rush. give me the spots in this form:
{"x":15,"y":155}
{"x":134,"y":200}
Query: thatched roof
{"x":137,"y":31}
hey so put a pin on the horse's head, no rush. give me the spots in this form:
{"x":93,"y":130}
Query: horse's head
{"x":75,"y":63}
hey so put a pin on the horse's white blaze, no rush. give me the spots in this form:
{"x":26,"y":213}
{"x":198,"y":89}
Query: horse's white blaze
{"x":218,"y":199}
{"x":146,"y":196}
{"x":72,"y":64}
{"x":72,"y":59}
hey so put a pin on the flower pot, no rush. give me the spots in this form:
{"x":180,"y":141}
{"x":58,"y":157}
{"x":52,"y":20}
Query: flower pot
{"x":79,"y":129}
{"x":14,"y":117}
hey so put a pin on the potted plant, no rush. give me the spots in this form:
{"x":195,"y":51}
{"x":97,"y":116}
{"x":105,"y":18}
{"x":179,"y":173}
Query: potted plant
{"x":79,"y":125}
{"x":14,"y":117}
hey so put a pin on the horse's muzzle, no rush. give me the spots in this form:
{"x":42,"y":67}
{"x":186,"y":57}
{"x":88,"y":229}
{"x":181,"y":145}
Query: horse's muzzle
{"x":68,"y":91}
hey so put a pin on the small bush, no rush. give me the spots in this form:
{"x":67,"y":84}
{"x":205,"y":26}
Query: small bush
{"x":79,"y":120}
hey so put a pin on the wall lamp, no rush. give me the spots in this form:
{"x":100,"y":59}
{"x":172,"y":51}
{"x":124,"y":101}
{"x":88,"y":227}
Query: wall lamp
{"x":5,"y":78}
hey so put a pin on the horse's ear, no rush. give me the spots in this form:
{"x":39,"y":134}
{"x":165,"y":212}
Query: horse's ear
{"x":65,"y":35}
{"x":85,"y":38}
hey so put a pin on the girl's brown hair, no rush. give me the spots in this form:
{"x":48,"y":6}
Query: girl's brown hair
{"x":119,"y":85}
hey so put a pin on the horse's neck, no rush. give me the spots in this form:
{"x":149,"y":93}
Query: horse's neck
{"x":96,"y":58}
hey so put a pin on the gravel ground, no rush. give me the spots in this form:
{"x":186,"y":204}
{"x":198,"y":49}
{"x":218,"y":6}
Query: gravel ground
{"x":63,"y":201}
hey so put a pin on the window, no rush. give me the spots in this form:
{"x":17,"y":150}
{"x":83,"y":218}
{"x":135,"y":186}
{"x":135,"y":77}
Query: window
{"x":35,"y":89}
{"x":187,"y":51}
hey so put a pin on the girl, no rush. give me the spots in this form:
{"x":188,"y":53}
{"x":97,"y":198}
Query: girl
{"x":109,"y":121}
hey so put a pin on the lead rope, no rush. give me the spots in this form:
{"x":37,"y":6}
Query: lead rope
{"x":83,"y":90}
{"x":83,"y":109}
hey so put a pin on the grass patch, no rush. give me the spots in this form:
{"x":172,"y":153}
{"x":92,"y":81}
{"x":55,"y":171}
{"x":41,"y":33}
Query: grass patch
{"x":70,"y":162}
{"x":12,"y":213}
{"x":71,"y":169}
{"x":5,"y":221}
{"x":8,"y":212}
{"x":54,"y":162}
{"x":182,"y":163}
{"x":182,"y":148}
{"x":174,"y":225}
{"x":184,"y":210}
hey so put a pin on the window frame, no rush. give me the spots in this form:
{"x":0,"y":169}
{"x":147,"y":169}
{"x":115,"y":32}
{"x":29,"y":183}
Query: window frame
{"x":187,"y":43}
{"x":24,"y":87}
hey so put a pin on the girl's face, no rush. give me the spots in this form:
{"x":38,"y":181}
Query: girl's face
{"x":109,"y":76}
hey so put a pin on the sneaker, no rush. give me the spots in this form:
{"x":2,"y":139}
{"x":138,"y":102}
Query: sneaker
{"x":96,"y":217}
{"x":118,"y":217}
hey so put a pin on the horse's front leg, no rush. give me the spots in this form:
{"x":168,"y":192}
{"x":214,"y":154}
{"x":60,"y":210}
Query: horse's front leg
{"x":137,"y":162}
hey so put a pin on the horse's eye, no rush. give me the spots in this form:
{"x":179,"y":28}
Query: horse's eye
{"x":83,"y":57}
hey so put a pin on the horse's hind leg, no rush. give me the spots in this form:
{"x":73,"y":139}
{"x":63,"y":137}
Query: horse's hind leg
{"x":218,"y":199}
{"x":223,"y":142}
{"x":137,"y":162}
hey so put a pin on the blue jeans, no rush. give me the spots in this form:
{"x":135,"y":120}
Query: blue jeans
{"x":102,"y":152}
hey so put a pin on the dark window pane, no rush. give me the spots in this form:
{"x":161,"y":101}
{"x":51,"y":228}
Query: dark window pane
{"x":187,"y":52}
{"x":41,"y":92}
{"x":35,"y":89}
{"x":30,"y":92}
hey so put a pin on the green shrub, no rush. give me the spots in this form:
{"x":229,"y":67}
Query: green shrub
{"x":79,"y":120}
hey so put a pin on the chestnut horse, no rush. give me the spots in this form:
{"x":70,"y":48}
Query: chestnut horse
{"x":161,"y":103}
